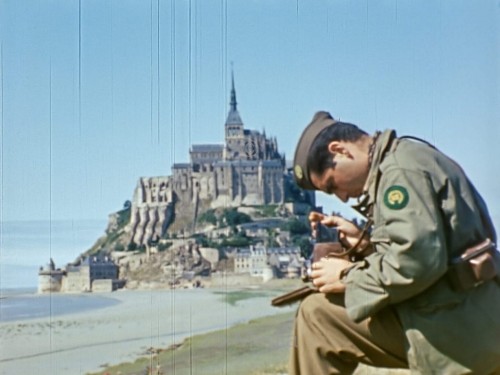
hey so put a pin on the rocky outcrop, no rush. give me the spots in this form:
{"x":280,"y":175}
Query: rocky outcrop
{"x":152,"y":210}
{"x":181,"y":262}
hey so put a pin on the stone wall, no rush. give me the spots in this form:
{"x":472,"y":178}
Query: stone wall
{"x":104,"y":285}
{"x":49,"y":282}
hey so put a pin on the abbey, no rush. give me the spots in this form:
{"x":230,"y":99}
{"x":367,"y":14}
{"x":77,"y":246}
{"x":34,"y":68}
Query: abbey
{"x":247,"y":170}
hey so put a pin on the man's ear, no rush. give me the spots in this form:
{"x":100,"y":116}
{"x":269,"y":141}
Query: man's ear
{"x":335,"y":147}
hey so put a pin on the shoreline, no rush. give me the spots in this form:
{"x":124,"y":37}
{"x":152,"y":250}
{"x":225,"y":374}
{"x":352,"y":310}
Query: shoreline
{"x":82,"y":342}
{"x":258,"y":347}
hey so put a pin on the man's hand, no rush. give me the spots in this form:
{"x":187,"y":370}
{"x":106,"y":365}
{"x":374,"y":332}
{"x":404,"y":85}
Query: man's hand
{"x":326,"y":274}
{"x":349,"y":233}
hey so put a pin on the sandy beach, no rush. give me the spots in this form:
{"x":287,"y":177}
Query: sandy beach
{"x":80,"y":343}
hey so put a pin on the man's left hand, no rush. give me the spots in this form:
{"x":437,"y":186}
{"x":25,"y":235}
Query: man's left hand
{"x":326,"y":274}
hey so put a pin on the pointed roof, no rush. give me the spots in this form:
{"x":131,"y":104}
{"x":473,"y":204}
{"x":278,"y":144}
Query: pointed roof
{"x":233,"y":117}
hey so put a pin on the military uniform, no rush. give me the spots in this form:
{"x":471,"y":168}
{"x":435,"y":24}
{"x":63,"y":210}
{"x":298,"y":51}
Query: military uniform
{"x":425,"y":212}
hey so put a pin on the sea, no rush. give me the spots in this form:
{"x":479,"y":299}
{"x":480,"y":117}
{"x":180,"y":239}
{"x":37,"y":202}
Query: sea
{"x":25,"y":246}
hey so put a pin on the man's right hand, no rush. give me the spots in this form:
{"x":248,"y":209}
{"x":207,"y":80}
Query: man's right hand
{"x":349,"y":233}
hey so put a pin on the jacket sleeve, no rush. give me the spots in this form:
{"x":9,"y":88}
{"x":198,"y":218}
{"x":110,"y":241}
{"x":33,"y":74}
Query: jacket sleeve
{"x":409,"y":241}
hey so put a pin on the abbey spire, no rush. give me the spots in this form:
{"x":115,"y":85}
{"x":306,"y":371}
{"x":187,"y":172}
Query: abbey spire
{"x":233,"y":117}
{"x":233,"y":102}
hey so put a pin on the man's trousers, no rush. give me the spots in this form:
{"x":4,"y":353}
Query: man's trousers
{"x":326,"y":341}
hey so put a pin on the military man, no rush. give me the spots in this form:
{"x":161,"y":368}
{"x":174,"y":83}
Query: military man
{"x":394,"y":303}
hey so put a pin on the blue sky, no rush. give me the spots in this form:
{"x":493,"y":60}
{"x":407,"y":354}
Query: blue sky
{"x":95,"y":94}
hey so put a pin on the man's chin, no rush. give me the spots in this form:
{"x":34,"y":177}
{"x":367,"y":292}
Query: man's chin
{"x":345,"y":198}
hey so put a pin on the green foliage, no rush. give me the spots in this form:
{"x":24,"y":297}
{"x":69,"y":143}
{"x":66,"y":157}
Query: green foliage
{"x":127,"y":205}
{"x":124,"y":217}
{"x":119,"y":247}
{"x":132,"y":246}
{"x":295,"y":226}
{"x":201,"y":240}
{"x":231,"y":217}
{"x":240,"y":295}
{"x":267,"y":210}
{"x":208,"y":217}
{"x":240,"y":240}
{"x":162,"y":246}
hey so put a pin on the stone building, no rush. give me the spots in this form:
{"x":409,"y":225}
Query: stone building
{"x":268,"y":262}
{"x":94,"y":273}
{"x":246,"y":170}
{"x":50,"y":278}
{"x":254,"y":261}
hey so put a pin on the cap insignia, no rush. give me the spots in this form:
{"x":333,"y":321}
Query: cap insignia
{"x":299,"y":173}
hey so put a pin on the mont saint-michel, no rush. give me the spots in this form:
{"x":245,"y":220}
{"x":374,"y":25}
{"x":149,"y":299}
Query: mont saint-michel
{"x":233,"y":208}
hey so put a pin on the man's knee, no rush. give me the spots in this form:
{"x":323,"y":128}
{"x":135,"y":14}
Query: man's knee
{"x":309,"y":306}
{"x":318,"y":307}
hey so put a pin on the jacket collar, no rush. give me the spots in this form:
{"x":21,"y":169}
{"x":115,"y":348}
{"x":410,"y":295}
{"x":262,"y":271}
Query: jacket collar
{"x":382,"y":145}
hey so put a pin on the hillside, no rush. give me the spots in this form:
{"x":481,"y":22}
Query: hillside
{"x":190,"y":253}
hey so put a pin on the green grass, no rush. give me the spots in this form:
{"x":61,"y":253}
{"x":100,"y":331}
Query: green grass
{"x":258,"y":347}
{"x":234,"y":297}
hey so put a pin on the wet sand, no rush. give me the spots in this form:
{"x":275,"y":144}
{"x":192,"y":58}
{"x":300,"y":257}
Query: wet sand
{"x":86,"y":342}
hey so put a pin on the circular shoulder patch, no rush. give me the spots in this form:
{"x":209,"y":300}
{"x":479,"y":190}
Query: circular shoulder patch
{"x":396,"y":197}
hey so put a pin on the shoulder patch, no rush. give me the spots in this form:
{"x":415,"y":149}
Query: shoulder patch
{"x":396,"y":197}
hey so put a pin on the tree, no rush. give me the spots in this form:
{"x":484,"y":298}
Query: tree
{"x":208,"y":217}
{"x":295,"y":226}
{"x":162,"y":246}
{"x":119,"y":247}
{"x":131,"y":246}
{"x":127,"y":205}
{"x":232,"y":217}
{"x":240,"y":240}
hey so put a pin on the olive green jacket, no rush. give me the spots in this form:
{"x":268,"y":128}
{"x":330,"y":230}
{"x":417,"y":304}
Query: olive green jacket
{"x":426,"y":211}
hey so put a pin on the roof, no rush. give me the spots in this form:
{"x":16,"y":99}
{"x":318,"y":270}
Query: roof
{"x":207,"y":148}
{"x":233,"y":118}
{"x":254,"y":133}
{"x":237,"y":163}
{"x":181,"y":166}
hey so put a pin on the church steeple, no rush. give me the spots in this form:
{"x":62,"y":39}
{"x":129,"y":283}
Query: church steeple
{"x":233,"y":117}
{"x":233,"y":103}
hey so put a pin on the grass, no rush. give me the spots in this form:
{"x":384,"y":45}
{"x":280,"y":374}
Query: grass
{"x":239,"y":295}
{"x":258,"y":347}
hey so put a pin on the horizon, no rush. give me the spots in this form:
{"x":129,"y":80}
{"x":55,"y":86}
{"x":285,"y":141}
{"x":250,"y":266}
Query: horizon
{"x":95,"y":95}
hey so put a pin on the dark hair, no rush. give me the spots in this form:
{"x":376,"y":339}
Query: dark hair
{"x":319,"y":158}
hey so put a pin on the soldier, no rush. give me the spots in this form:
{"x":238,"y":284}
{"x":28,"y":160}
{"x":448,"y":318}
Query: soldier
{"x":400,"y":303}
